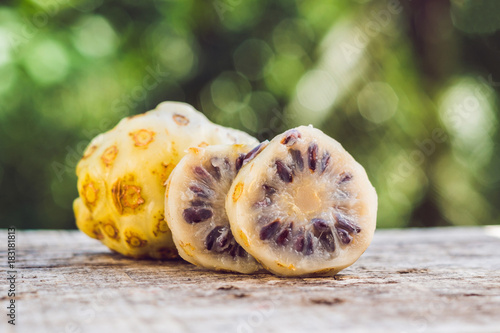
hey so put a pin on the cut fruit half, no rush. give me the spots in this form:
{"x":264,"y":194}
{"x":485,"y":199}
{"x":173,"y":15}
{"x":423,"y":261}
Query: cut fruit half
{"x":195,"y":207}
{"x":303,"y":206}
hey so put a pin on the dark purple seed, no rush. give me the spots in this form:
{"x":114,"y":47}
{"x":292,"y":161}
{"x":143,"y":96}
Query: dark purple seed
{"x":344,"y":177}
{"x":232,"y":249}
{"x":198,"y":191}
{"x":347,"y":225}
{"x":345,"y":238}
{"x":202,"y":173}
{"x":239,"y":162}
{"x":309,"y":244}
{"x":241,"y":251}
{"x":320,"y":225}
{"x":328,"y":241}
{"x":297,"y":159}
{"x":268,"y":190}
{"x":299,"y":242}
{"x":236,"y":250}
{"x":223,"y":239}
{"x":291,"y":136}
{"x":324,"y":162}
{"x":264,"y":203}
{"x":212,"y":238}
{"x":312,"y":153}
{"x":254,"y":152}
{"x":219,"y":240}
{"x":284,"y":172}
{"x":269,"y":230}
{"x":282,"y":237}
{"x":214,"y":168}
{"x":196,"y":214}
{"x":199,"y":203}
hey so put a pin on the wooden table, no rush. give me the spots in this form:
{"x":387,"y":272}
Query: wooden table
{"x":417,"y":280}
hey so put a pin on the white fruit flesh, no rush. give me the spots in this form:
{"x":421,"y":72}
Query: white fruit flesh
{"x":303,"y":206}
{"x":195,"y":208}
{"x":122,"y":175}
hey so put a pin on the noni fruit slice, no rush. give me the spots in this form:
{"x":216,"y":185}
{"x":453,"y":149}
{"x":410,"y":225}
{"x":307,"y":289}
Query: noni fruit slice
{"x":195,"y":207}
{"x":303,"y":206}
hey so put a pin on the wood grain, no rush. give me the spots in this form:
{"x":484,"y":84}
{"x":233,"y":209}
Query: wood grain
{"x":417,"y":280}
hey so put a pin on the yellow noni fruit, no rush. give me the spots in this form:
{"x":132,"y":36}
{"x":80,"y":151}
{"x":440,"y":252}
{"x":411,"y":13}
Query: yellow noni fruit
{"x":122,"y":175}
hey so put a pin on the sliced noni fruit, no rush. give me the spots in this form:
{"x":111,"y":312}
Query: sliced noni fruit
{"x":303,"y":206}
{"x":195,"y":207}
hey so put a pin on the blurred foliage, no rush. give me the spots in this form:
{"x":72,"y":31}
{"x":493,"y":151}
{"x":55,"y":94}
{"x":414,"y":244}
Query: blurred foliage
{"x":410,"y":88}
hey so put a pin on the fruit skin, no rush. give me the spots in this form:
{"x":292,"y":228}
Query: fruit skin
{"x":242,"y":196}
{"x":190,"y":238}
{"x":122,"y":175}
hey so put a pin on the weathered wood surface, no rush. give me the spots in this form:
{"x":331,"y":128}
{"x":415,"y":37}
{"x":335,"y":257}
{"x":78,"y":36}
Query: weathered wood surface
{"x":434,"y":280}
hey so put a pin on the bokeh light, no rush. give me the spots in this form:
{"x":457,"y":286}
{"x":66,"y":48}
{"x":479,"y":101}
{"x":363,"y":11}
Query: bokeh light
{"x":94,"y":37}
{"x":377,"y":102}
{"x":48,"y":62}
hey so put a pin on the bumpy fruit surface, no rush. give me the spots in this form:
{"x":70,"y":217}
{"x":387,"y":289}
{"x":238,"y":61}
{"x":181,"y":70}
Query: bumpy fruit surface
{"x":303,"y":206}
{"x":122,"y":176}
{"x":195,"y":207}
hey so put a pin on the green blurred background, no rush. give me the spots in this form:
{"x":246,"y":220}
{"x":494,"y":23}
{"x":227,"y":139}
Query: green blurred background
{"x":410,"y":88}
